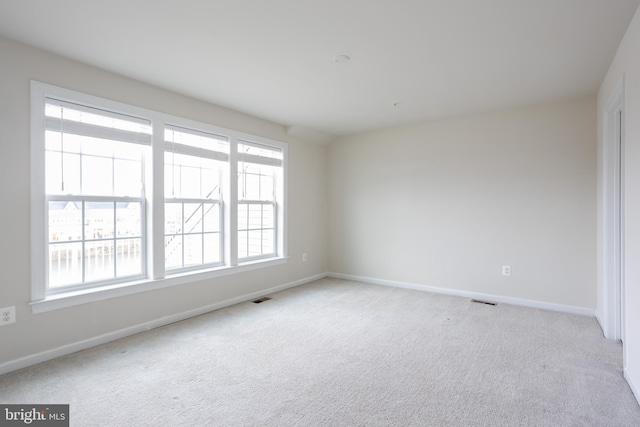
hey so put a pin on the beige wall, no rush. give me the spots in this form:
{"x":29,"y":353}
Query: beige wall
{"x":446,"y":204}
{"x":42,"y":332}
{"x":627,"y":64}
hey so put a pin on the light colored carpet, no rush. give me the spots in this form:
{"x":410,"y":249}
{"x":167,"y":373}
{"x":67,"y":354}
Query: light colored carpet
{"x":341,"y":353}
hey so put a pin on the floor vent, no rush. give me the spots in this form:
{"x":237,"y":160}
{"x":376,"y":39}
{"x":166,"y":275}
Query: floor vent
{"x":258,"y":301}
{"x":483,"y":302}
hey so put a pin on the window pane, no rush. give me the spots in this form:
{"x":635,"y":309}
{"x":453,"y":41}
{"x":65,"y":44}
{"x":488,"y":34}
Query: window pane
{"x":127,"y":177}
{"x":243,"y":244}
{"x":98,"y":220}
{"x":53,"y":170}
{"x":52,"y":141}
{"x":65,"y":221}
{"x":171,"y":176}
{"x":268,"y":242}
{"x":256,"y":229}
{"x":210,"y":184}
{"x":99,"y":260}
{"x":102,"y":166}
{"x":191,"y":177}
{"x":211,"y":248}
{"x":252,"y":187}
{"x":94,"y":147}
{"x":128,"y":257}
{"x":97,"y":256}
{"x":97,"y":176}
{"x":65,"y":264}
{"x":62,"y":169}
{"x":266,"y":187}
{"x":255,"y":217}
{"x":190,"y":182}
{"x":268,"y":216}
{"x":57,"y":141}
{"x":256,"y":182}
{"x":127,"y":151}
{"x":128,"y":219}
{"x":255,"y":243}
{"x":211,"y":217}
{"x":173,"y":251}
{"x":71,"y":174}
{"x":172,"y":218}
{"x":192,"y":218}
{"x":190,"y":246}
{"x":192,"y":249}
{"x":243,"y":216}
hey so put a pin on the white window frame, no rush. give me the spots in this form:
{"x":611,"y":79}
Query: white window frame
{"x":255,"y":159}
{"x":179,"y":148}
{"x":156,"y":278}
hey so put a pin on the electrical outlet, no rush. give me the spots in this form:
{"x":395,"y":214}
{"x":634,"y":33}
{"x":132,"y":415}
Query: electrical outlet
{"x":506,"y":270}
{"x":7,"y":315}
{"x":305,"y":258}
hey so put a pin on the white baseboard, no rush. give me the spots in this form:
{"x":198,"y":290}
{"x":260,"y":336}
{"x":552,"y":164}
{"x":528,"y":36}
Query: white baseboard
{"x":601,"y":323}
{"x":599,"y":319}
{"x":474,"y":295}
{"x":631,"y":380}
{"x":30,"y":360}
{"x":33,"y":359}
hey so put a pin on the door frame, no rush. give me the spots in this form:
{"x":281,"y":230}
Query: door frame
{"x":612,"y":303}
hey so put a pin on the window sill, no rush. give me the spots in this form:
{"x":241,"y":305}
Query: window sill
{"x":78,"y":297}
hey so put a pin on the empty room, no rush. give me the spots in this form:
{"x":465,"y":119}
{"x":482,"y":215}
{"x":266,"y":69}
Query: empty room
{"x":337,"y":213}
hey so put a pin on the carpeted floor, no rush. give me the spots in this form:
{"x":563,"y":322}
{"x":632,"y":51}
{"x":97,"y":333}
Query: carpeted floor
{"x":340,"y":353}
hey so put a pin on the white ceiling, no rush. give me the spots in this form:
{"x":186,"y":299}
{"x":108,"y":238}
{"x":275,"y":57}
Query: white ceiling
{"x":274,"y":58}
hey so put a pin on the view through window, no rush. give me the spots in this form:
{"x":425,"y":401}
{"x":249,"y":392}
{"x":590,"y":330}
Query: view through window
{"x":93,"y":176}
{"x":124,"y":203}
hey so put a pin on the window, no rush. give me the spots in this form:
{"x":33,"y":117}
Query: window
{"x":133,"y":199}
{"x":195,"y":163}
{"x":94,"y":194}
{"x":259,"y":172}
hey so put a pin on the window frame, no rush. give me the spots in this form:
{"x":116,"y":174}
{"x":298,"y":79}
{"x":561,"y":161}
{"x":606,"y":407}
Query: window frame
{"x":156,"y":277}
{"x":278,"y":167}
{"x":88,"y":136}
{"x":182,"y":149}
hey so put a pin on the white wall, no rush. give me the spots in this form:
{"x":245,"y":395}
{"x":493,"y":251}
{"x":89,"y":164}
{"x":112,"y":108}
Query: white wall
{"x":446,"y":204}
{"x":627,"y":64}
{"x":42,"y":332}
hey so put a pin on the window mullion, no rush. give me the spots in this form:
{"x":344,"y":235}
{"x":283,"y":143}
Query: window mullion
{"x":183,"y":228}
{"x":115,"y":239}
{"x":39,"y":205}
{"x":231,"y":208}
{"x":154,"y":193}
{"x":83,"y":258}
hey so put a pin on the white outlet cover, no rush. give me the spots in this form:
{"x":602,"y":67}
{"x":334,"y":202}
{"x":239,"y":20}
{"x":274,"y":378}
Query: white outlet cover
{"x":7,"y":315}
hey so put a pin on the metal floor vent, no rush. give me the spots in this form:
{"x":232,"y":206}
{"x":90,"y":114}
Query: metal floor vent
{"x":483,"y":302}
{"x":258,"y":301}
